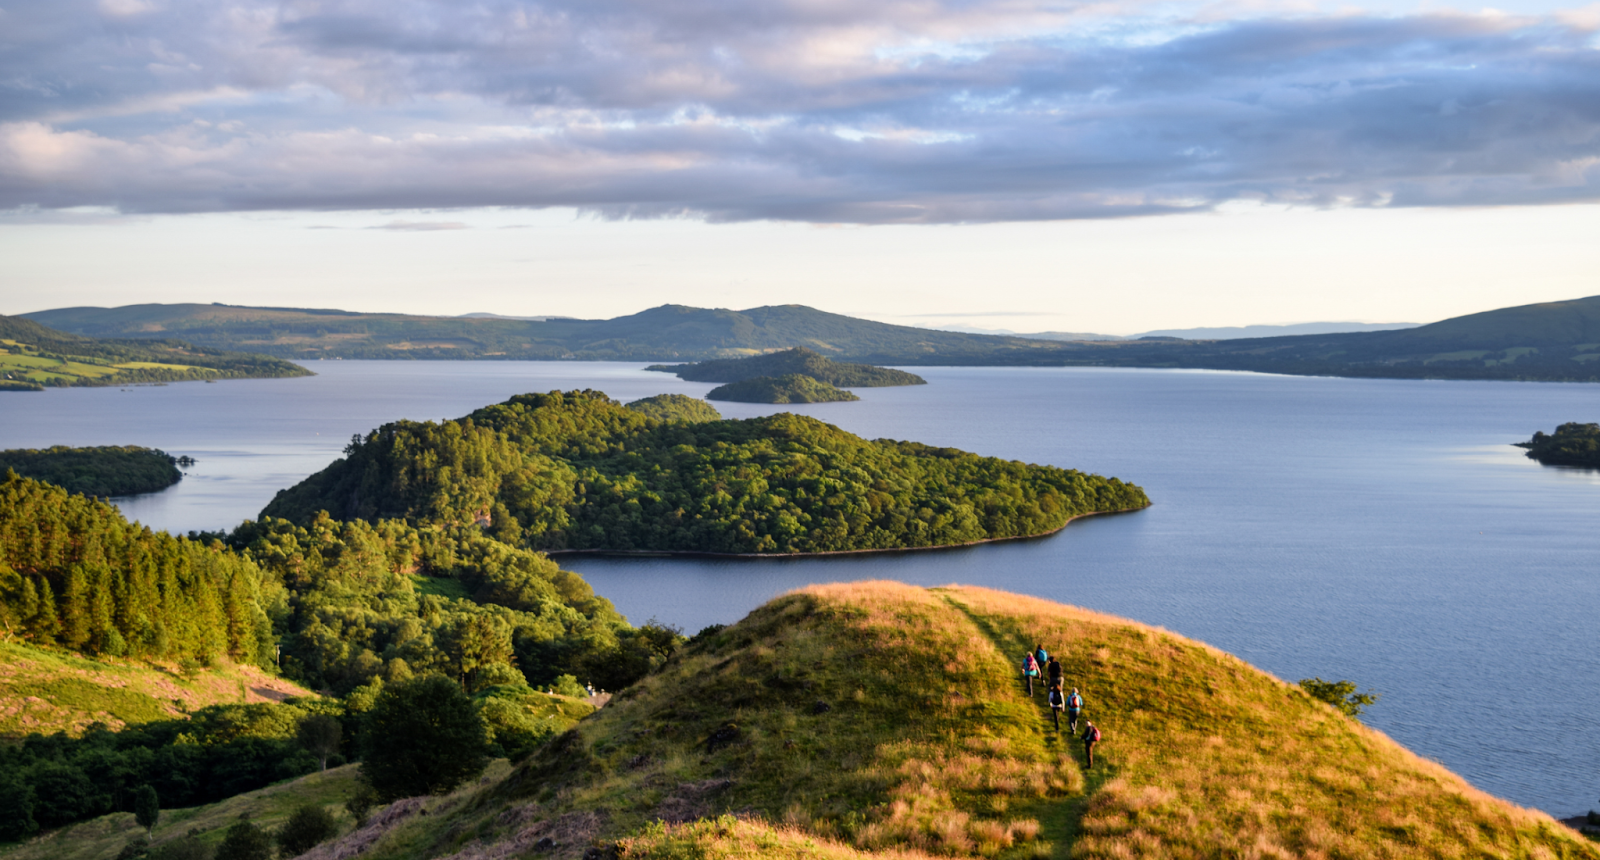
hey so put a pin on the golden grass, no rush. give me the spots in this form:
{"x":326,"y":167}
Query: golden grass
{"x":924,"y":745}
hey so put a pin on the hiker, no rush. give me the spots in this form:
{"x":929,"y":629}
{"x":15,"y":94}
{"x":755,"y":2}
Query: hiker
{"x":1057,"y":702}
{"x":1074,"y":710}
{"x":1030,"y":670}
{"x":1055,"y":671}
{"x":1040,"y":655}
{"x":1091,"y":736}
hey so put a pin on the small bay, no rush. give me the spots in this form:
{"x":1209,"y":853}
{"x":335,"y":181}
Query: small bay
{"x":1379,"y":530}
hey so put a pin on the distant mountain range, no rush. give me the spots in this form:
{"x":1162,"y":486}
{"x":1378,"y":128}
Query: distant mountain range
{"x":1224,"y":333}
{"x":1553,"y":341}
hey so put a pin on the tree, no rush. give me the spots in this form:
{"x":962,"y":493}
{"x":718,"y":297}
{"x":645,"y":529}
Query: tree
{"x":421,"y":737}
{"x":320,"y":734}
{"x":146,"y":807}
{"x":1340,"y":694}
{"x":307,"y":826}
{"x":245,"y":841}
{"x":16,"y":808}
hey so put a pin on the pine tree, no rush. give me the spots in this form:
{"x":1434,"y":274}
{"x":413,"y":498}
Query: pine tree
{"x":146,"y":807}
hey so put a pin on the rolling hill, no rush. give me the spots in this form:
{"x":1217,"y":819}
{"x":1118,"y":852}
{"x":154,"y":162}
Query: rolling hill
{"x":799,"y":360}
{"x":33,"y":357}
{"x":868,"y":720}
{"x":1552,"y":341}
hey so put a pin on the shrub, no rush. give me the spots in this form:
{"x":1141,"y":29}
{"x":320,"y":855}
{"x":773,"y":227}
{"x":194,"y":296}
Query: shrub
{"x":245,"y":841}
{"x":1340,"y":694}
{"x":307,"y":826}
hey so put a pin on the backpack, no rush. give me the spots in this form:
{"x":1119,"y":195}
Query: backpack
{"x":1094,"y":735}
{"x":1028,"y":665}
{"x":1055,"y":698}
{"x":1075,"y":702}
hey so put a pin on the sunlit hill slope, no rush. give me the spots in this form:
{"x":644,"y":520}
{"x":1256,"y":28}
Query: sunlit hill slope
{"x":878,"y":719}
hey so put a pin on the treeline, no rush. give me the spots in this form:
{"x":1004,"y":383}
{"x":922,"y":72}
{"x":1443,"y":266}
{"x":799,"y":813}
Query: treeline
{"x":75,"y":574}
{"x":347,"y":602}
{"x":789,"y":388}
{"x":1572,"y":444}
{"x":48,"y":781}
{"x":798,"y":360}
{"x":99,"y":471}
{"x":575,"y":470}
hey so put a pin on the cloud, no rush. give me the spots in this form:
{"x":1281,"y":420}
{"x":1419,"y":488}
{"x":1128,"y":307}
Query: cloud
{"x":420,"y":226}
{"x":907,"y":111}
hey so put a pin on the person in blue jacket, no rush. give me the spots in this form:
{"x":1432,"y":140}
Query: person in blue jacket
{"x":1030,"y":670}
{"x":1074,"y":709}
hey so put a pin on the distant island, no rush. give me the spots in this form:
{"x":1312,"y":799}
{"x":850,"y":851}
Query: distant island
{"x":33,"y":357}
{"x":788,"y":388}
{"x":676,"y":407}
{"x":1573,"y":444}
{"x":578,"y":471}
{"x":1551,"y":341}
{"x":799,"y":360}
{"x":101,"y":471}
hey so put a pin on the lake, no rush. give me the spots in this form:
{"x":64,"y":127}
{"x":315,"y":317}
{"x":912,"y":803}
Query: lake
{"x":1383,"y":531}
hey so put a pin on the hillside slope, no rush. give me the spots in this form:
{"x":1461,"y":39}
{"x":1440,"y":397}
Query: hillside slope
{"x":33,"y":357}
{"x":50,"y":691}
{"x":879,"y":719}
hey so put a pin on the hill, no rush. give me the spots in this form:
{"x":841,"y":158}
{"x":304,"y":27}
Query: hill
{"x":669,"y":332}
{"x":106,"y":470}
{"x":676,"y":407}
{"x":1556,"y":341}
{"x":49,"y":691}
{"x":882,"y":720}
{"x":789,"y":388}
{"x":800,"y":361}
{"x":577,"y":471}
{"x":33,"y":357}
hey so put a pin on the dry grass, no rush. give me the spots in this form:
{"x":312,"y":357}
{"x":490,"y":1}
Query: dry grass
{"x":881,"y":720}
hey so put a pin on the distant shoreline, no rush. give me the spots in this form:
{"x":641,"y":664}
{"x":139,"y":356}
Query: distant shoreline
{"x":695,"y":553}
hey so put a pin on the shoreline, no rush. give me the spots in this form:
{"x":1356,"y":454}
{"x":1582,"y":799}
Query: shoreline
{"x":695,"y":553}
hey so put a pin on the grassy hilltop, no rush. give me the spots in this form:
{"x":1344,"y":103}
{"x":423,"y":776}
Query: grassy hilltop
{"x":883,"y":720}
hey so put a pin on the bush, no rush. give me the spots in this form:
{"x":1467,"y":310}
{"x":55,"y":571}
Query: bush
{"x":567,"y":685}
{"x":1340,"y":694}
{"x":245,"y":841}
{"x":421,"y":737}
{"x":185,"y":848}
{"x":307,"y":826}
{"x":360,"y":804}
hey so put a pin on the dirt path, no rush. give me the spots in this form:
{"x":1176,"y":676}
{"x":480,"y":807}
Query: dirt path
{"x":1061,"y":821}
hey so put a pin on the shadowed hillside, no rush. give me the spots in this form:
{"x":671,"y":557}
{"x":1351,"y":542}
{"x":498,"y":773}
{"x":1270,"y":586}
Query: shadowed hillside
{"x":879,"y":719}
{"x":1556,"y":341}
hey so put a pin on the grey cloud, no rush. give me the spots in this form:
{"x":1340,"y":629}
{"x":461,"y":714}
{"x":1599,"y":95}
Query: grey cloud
{"x":420,"y":226}
{"x":803,"y":110}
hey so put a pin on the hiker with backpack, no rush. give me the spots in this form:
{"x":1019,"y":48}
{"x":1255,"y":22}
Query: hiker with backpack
{"x":1040,"y":655}
{"x":1091,"y":736}
{"x":1057,"y":702}
{"x":1054,"y":672}
{"x":1030,"y":670}
{"x":1074,"y":710}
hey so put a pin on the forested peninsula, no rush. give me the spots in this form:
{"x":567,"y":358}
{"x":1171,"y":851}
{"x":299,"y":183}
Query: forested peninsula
{"x":789,"y":388}
{"x":577,"y":471}
{"x":33,"y":357}
{"x":1572,"y":444}
{"x":108,"y":470}
{"x":800,"y":361}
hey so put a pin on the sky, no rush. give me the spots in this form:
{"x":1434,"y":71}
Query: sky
{"x":1032,"y":166}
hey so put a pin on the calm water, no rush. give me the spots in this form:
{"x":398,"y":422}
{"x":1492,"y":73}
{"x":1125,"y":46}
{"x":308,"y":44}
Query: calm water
{"x":1382,"y":531}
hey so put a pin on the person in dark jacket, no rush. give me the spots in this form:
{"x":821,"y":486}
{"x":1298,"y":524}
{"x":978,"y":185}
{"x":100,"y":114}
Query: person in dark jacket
{"x":1054,"y":671}
{"x":1074,"y":710}
{"x":1057,"y":702}
{"x":1091,"y":736}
